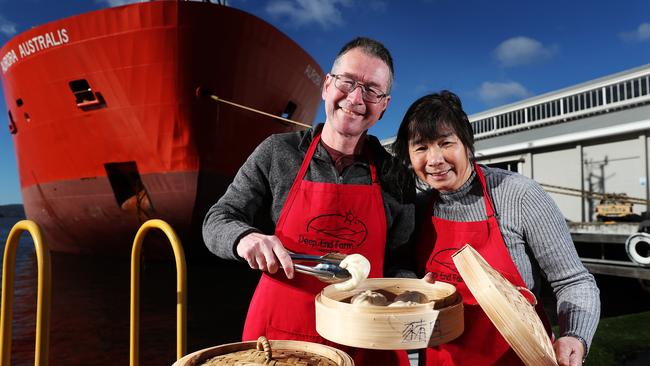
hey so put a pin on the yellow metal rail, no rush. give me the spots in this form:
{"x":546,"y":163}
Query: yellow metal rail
{"x":44,"y":293}
{"x":181,"y":292}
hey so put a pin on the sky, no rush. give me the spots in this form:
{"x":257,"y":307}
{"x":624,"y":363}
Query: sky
{"x":490,"y":53}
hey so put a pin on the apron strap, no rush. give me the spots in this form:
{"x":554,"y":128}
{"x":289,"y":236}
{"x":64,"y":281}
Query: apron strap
{"x":303,"y":170}
{"x":293,"y":192}
{"x":312,"y":149}
{"x":371,"y":163}
{"x":489,"y":208}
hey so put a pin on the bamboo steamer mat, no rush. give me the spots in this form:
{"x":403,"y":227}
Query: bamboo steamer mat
{"x":510,"y":312}
{"x":268,"y":353}
{"x":390,"y":328}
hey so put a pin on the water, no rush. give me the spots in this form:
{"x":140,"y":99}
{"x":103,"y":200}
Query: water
{"x":90,"y":306}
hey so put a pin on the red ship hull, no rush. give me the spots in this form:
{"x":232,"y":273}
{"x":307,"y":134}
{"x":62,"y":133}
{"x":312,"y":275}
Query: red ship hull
{"x":108,"y":130}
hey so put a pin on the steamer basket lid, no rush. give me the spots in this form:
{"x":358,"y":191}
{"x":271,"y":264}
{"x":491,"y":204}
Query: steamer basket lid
{"x":510,"y":312}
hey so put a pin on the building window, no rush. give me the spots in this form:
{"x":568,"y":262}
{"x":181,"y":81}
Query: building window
{"x":580,"y":102}
{"x":544,"y":110}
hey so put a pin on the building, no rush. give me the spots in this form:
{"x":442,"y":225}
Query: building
{"x":585,"y":139}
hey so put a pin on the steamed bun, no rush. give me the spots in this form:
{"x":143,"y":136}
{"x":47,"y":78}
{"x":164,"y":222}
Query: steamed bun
{"x":412,"y":296}
{"x":359,"y":268}
{"x":402,"y":304}
{"x":369,"y":297}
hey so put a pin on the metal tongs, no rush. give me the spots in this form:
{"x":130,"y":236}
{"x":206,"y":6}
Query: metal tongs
{"x":327,"y":269}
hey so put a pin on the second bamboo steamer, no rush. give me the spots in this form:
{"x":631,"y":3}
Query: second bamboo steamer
{"x":390,"y":328}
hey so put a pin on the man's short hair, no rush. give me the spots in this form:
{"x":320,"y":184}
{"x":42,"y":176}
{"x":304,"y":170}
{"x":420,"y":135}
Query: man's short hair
{"x":370,"y":47}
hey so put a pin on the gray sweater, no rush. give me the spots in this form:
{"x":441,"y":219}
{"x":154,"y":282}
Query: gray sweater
{"x":254,"y":200}
{"x":537,"y":237}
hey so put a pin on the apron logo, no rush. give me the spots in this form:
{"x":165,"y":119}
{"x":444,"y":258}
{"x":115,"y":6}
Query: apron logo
{"x":335,"y":231}
{"x":443,"y":259}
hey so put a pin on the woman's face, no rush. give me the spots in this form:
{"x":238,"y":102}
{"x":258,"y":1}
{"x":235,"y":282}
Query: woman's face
{"x":442,"y":163}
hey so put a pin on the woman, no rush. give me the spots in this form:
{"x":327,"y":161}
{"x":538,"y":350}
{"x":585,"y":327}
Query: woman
{"x":507,"y":218}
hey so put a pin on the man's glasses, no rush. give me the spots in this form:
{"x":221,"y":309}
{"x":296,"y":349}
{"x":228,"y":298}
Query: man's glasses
{"x":347,"y":85}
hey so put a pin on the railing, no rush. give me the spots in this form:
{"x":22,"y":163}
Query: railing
{"x":43,"y":300}
{"x":202,"y":92}
{"x":181,"y":292}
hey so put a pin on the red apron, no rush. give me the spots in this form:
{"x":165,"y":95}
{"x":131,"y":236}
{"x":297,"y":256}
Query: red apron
{"x":481,"y":344}
{"x":319,"y":218}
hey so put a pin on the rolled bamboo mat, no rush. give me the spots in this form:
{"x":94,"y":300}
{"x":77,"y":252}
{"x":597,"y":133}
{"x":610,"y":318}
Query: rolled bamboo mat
{"x":510,"y":312}
{"x":268,"y":353}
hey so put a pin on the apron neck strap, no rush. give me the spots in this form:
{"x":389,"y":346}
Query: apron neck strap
{"x":371,"y":163}
{"x":312,"y":149}
{"x":489,"y":208}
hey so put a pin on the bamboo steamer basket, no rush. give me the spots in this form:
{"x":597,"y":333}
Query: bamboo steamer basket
{"x":510,"y":312}
{"x":390,"y":328}
{"x":264,"y":352}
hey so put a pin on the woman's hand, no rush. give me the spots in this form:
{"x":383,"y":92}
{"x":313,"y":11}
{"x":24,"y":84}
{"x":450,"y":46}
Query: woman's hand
{"x":569,"y":351}
{"x":429,"y":277}
{"x":266,"y":253}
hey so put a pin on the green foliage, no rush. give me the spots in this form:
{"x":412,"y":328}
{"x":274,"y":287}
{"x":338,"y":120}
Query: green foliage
{"x":620,"y":339}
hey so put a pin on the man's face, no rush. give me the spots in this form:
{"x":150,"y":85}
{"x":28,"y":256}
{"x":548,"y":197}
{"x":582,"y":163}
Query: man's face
{"x":347,"y":113}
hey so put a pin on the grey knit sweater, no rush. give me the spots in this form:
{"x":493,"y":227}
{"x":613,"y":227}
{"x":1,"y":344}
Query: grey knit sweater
{"x":254,"y":200}
{"x":537,"y":237}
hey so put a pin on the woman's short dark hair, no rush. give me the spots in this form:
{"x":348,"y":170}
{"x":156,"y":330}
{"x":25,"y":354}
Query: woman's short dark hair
{"x":428,"y":118}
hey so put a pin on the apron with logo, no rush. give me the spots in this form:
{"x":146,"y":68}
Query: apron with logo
{"x":481,"y":344}
{"x":318,"y":218}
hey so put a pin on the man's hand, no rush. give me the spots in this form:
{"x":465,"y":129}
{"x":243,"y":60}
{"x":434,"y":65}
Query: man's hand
{"x":266,"y":253}
{"x":569,"y":351}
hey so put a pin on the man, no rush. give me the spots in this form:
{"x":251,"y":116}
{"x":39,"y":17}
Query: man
{"x":332,"y":188}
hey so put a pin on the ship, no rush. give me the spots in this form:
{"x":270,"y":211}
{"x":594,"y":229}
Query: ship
{"x":108,"y":129}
